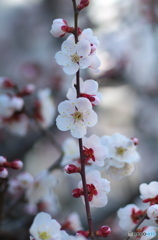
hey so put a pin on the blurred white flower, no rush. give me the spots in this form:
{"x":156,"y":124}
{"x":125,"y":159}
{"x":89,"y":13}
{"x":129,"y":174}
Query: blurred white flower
{"x":72,"y":222}
{"x":76,"y":116}
{"x":148,"y":190}
{"x":125,"y":215}
{"x":152,"y":212}
{"x":98,"y":188}
{"x":149,"y":232}
{"x":46,"y":108}
{"x":71,"y":151}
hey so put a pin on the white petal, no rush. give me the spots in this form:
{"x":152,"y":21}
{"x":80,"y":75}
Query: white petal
{"x":62,"y":58}
{"x":95,"y":62}
{"x":71,"y":94}
{"x":85,"y":62}
{"x":66,"y":107}
{"x":83,"y":48}
{"x":83,"y":104}
{"x":90,"y":86}
{"x":71,"y":68}
{"x":64,"y":122}
{"x":78,"y":130}
{"x":90,"y":118}
{"x":69,"y":47}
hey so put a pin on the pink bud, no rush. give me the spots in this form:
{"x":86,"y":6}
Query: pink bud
{"x":59,"y":27}
{"x":83,"y":233}
{"x":83,"y":4}
{"x":135,"y":140}
{"x":6,"y":82}
{"x":77,"y":192}
{"x":29,"y":89}
{"x":16,"y":164}
{"x":3,"y":172}
{"x":71,"y":169}
{"x":104,"y":231}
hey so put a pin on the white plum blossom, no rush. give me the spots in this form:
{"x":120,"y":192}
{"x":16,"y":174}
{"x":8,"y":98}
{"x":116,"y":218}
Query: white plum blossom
{"x":98,"y":189}
{"x":45,"y":228}
{"x":3,"y":172}
{"x":41,"y":187}
{"x":57,"y":27}
{"x":121,"y":155}
{"x":88,"y":89}
{"x":46,"y":108}
{"x":125,"y":215}
{"x":149,"y":232}
{"x":152,"y":212}
{"x":76,"y":116}
{"x":93,"y":150}
{"x":74,"y":56}
{"x":73,"y":222}
{"x":18,"y":124}
{"x":148,"y":190}
{"x":25,"y":180}
{"x":71,"y":151}
{"x":8,"y":105}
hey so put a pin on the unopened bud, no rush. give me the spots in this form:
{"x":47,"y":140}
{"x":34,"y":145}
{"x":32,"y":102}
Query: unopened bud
{"x":104,"y":231}
{"x":29,"y":89}
{"x":59,"y":28}
{"x":83,"y":4}
{"x":77,"y":192}
{"x":135,"y":140}
{"x":6,"y":82}
{"x":16,"y":164}
{"x":2,"y":159}
{"x":71,"y":169}
{"x":3,"y":172}
{"x":83,"y":233}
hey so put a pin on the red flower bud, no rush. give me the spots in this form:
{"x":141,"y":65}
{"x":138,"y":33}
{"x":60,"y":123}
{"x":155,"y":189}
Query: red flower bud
{"x":104,"y":231}
{"x":16,"y":164}
{"x":135,"y":140}
{"x":71,"y":169}
{"x":83,"y":4}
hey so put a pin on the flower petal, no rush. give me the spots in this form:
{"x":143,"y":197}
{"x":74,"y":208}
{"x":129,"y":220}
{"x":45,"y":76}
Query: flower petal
{"x":90,"y":118}
{"x":69,"y":47}
{"x":79,"y":130}
{"x":66,"y":107}
{"x":71,"y":68}
{"x":64,"y":122}
{"x":62,"y":58}
{"x":90,"y":86}
{"x":83,"y":48}
{"x":85,"y":62}
{"x":83,"y":104}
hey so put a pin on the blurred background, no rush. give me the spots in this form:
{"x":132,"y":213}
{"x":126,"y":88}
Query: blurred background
{"x":128,"y":34}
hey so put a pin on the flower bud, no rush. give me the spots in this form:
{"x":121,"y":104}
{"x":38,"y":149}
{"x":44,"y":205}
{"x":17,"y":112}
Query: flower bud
{"x":59,"y":27}
{"x":2,"y":159}
{"x":135,"y":140}
{"x":104,"y":231}
{"x":83,"y":4}
{"x":16,"y":164}
{"x":6,"y":83}
{"x":29,"y":89}
{"x":3,"y":172}
{"x":83,"y":233}
{"x":77,"y":192}
{"x":71,"y":169}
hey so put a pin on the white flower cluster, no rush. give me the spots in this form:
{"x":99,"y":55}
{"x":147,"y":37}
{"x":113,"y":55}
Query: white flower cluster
{"x":130,"y":215}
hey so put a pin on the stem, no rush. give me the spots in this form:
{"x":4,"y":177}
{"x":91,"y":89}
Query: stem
{"x":140,"y":221}
{"x":83,"y":174}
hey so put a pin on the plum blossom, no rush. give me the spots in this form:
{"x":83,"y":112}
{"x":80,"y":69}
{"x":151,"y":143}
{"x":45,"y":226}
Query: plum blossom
{"x":25,"y":179}
{"x":8,"y":105}
{"x":3,"y":172}
{"x":17,"y":124}
{"x":125,"y":215}
{"x":152,"y":212}
{"x":76,"y":116}
{"x":148,"y":191}
{"x":58,"y":27}
{"x":88,"y":89}
{"x":45,"y":228}
{"x":41,"y":187}
{"x":72,"y":222}
{"x":71,"y":151}
{"x":45,"y":108}
{"x":121,"y":155}
{"x":93,"y":150}
{"x":98,"y":189}
{"x":74,"y":56}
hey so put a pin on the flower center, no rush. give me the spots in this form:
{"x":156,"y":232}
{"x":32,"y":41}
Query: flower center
{"x":75,"y":58}
{"x":120,"y":151}
{"x":91,"y":191}
{"x":44,"y":236}
{"x":77,"y":116}
{"x":88,"y":154}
